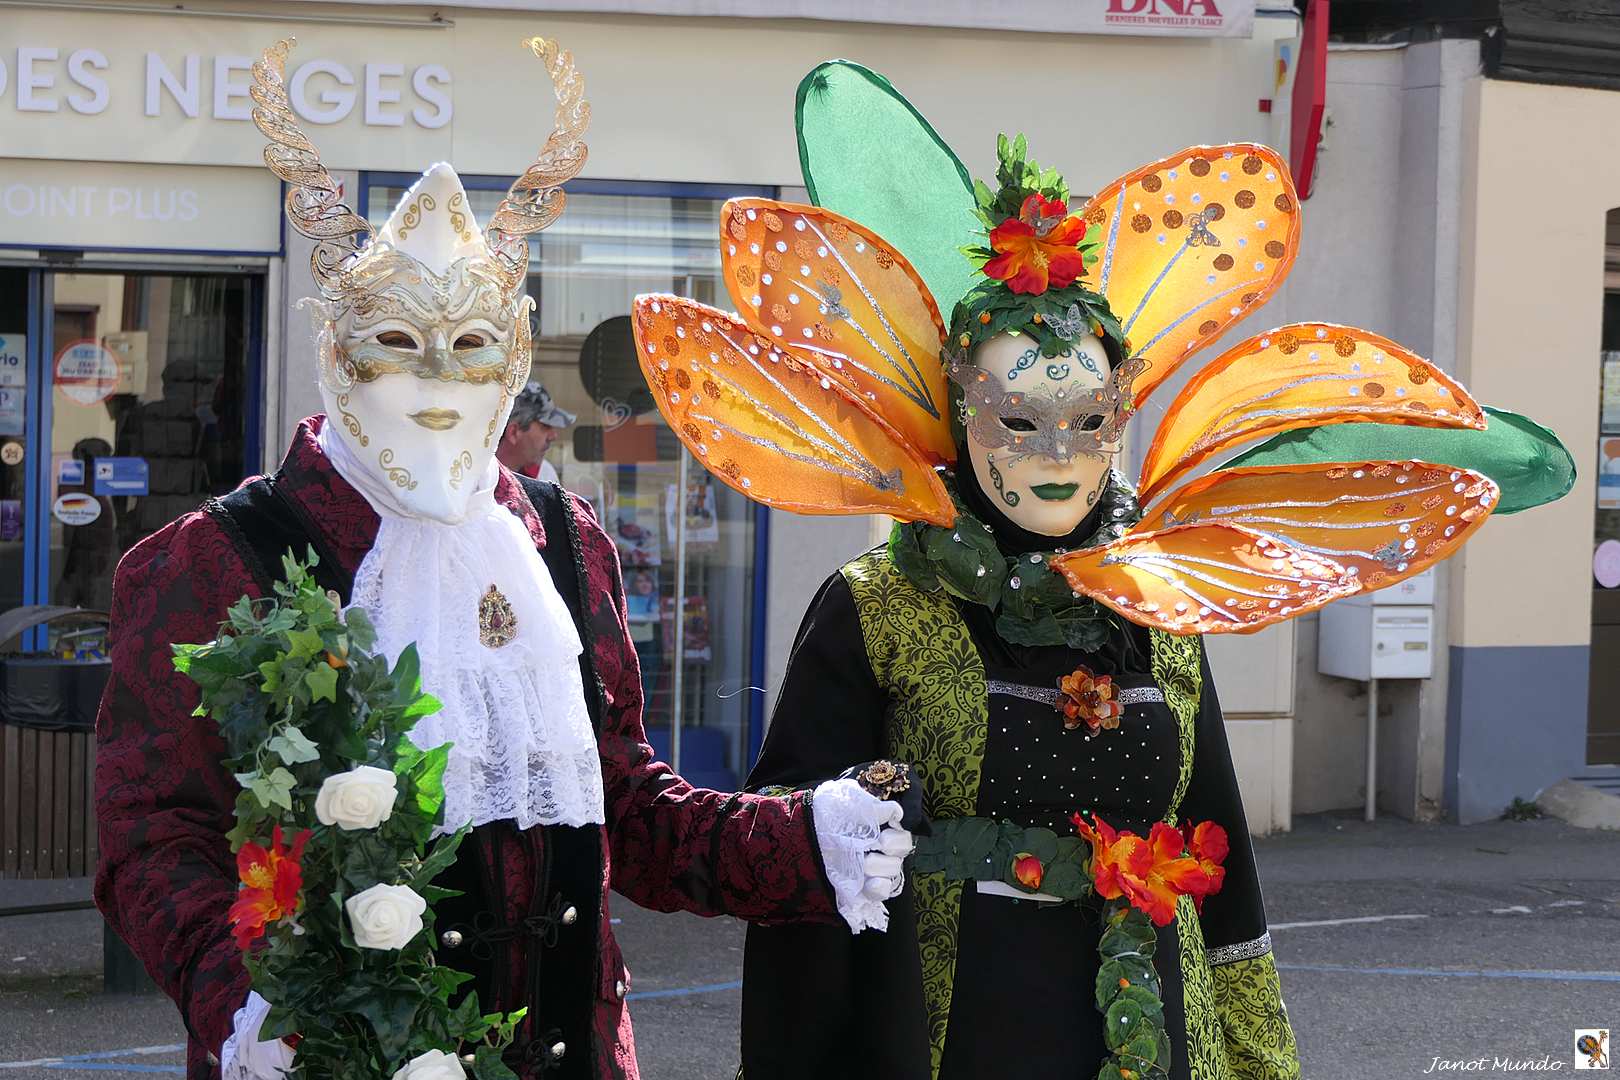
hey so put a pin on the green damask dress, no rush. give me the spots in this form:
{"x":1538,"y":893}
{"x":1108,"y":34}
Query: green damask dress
{"x":970,"y":982}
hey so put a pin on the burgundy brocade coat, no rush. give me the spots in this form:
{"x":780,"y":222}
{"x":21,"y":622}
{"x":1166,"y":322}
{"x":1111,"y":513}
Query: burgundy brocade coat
{"x":167,"y":877}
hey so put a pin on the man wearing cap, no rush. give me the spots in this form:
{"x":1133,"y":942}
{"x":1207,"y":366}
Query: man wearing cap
{"x":537,"y":422}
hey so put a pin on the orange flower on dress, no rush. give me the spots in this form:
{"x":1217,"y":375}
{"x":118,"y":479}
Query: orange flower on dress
{"x":1038,"y":249}
{"x":1089,"y":699}
{"x":1150,"y":873}
{"x":1207,"y":843}
{"x":271,"y":880}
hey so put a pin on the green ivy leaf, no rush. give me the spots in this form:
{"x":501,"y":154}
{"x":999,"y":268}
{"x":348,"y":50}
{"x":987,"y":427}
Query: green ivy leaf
{"x":292,"y":747}
{"x":274,"y":789}
{"x":322,"y":680}
{"x":363,"y":634}
{"x":487,"y":1065}
{"x":440,"y":858}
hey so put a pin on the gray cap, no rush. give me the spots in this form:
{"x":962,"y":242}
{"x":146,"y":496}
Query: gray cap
{"x":535,"y":406}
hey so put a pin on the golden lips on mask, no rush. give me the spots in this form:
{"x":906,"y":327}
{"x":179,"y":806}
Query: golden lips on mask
{"x":1058,"y":424}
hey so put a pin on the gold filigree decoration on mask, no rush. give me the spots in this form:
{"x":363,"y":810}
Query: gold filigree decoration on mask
{"x":536,"y":198}
{"x":351,"y":421}
{"x":459,"y":468}
{"x":458,"y":217}
{"x":413,"y":213}
{"x":400,"y":475}
{"x":314,"y":202}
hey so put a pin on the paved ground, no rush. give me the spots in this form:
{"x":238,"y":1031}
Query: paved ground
{"x":1399,"y":944}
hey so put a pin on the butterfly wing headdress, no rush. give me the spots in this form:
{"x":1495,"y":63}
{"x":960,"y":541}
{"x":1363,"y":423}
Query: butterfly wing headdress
{"x":825,"y":392}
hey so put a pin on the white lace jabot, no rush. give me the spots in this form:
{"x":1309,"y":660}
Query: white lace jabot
{"x":515,"y":713}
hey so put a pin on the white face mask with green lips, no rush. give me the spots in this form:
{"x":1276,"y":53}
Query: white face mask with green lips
{"x":1042,"y":432}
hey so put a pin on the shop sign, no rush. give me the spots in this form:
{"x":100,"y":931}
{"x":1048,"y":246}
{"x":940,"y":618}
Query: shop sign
{"x":121,"y":476}
{"x":13,"y":369}
{"x":76,"y":508}
{"x":95,"y":205}
{"x":1606,"y":564}
{"x":1203,"y":18}
{"x":158,"y":88}
{"x":86,"y":373}
{"x":13,"y":383}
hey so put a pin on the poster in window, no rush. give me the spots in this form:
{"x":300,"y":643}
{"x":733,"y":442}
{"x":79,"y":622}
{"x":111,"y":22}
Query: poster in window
{"x":695,"y":628}
{"x":702,"y":519}
{"x":1609,"y":473}
{"x":635,"y":529}
{"x":1610,"y":420}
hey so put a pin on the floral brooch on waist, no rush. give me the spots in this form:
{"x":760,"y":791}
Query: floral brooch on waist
{"x":1089,"y":699}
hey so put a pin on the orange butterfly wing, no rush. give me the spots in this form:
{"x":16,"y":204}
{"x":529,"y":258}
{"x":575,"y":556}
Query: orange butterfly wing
{"x":1208,"y":578}
{"x":1382,"y":520}
{"x":1190,"y":245}
{"x":848,"y":303}
{"x":772,"y":426}
{"x":1301,"y":375}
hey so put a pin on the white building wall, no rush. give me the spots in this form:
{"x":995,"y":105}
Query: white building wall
{"x":1379,"y":251}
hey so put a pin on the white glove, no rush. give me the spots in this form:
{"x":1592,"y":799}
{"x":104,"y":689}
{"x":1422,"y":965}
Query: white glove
{"x":863,"y":849}
{"x":244,"y":1056}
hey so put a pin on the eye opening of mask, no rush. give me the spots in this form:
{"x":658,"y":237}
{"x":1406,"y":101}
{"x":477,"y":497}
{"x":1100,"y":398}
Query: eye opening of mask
{"x":1016,"y":423}
{"x":396,"y":339}
{"x":472,"y":339}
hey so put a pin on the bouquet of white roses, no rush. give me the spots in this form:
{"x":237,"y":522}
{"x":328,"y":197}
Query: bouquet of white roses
{"x":334,"y":841}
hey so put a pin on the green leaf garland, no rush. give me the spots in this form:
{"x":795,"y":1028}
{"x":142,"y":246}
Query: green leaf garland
{"x":299,"y":697}
{"x":1033,"y":603}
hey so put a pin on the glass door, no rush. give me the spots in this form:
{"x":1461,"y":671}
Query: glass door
{"x":150,"y":380}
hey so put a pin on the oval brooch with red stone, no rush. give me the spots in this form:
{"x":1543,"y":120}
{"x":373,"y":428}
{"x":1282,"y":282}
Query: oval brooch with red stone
{"x":497,"y":624}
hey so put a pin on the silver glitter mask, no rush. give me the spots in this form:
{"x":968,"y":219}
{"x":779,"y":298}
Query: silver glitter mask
{"x":1060,"y":425}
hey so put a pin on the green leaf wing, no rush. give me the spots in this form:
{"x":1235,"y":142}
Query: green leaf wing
{"x":868,"y":154}
{"x":1527,"y":461}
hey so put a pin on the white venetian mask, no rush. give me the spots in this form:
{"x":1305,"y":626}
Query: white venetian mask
{"x":420,"y":366}
{"x":1042,"y":431}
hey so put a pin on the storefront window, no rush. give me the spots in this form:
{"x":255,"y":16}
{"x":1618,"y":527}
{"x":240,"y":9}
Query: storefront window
{"x":124,"y":403}
{"x":149,"y":386}
{"x":688,"y":556}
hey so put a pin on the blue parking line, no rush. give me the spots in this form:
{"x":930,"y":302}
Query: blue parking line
{"x":173,"y":1048}
{"x":683,"y":991}
{"x":117,"y":1066}
{"x":1550,"y":976}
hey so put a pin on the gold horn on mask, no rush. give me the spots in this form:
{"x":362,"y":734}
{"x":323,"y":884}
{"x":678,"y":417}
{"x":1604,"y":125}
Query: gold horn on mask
{"x":314,"y":200}
{"x":536,"y":198}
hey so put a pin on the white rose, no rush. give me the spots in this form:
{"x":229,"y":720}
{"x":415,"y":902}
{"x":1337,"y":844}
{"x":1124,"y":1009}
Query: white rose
{"x":433,"y":1065}
{"x":385,"y":916}
{"x":361,"y":798}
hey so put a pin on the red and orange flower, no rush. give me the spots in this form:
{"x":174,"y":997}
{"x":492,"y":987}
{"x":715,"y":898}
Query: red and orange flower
{"x":1028,"y":870}
{"x":271,"y":880}
{"x":1038,"y":249}
{"x":1092,"y":700}
{"x":1152,"y":873}
{"x":1207,"y":843}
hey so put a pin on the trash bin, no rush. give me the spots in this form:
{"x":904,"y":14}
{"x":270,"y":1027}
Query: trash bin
{"x":48,"y":701}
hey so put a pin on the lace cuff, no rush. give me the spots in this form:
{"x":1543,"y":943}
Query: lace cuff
{"x":849,"y":823}
{"x":244,"y":1057}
